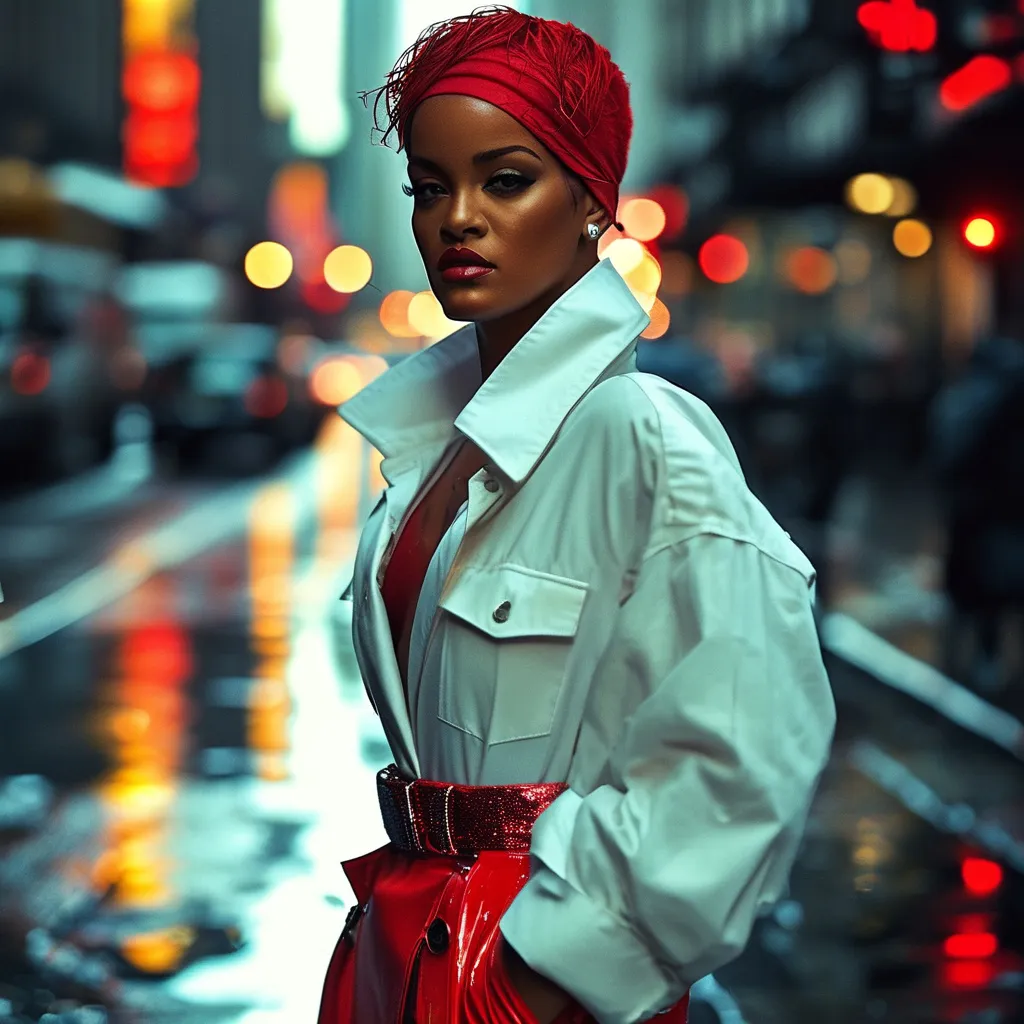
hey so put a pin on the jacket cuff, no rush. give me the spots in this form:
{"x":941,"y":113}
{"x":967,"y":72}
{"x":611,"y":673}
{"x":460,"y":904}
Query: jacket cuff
{"x":564,"y":935}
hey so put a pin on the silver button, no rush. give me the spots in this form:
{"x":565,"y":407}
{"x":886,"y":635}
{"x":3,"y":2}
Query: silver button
{"x":501,"y":612}
{"x":491,"y":484}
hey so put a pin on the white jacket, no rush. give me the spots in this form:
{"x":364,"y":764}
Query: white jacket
{"x":612,"y":608}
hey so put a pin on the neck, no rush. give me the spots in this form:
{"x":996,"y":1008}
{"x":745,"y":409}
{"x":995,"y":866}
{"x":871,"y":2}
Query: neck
{"x":496,"y":338}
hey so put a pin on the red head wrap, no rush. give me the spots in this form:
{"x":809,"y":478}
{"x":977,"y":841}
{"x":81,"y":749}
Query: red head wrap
{"x":553,"y":78}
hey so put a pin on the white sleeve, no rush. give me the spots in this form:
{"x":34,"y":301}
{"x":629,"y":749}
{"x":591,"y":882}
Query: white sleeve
{"x":652,"y":881}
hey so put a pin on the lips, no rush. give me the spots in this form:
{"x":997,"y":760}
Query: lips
{"x":462,"y":258}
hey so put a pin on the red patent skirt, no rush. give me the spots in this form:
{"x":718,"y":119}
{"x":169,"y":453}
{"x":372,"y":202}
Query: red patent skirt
{"x":426,"y":946}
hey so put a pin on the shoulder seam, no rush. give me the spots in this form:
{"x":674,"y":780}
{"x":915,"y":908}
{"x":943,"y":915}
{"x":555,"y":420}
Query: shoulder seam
{"x":708,"y":531}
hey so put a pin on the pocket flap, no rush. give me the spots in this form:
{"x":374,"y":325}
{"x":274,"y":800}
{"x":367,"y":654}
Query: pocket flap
{"x":513,"y":601}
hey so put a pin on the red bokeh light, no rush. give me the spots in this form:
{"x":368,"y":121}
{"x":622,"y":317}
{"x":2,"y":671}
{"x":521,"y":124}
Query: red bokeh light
{"x":160,"y":141}
{"x":674,"y":202}
{"x":161,"y":91}
{"x":898,"y":25}
{"x":724,"y":259}
{"x":980,"y":77}
{"x":30,"y":373}
{"x":967,"y":974}
{"x":981,"y":877}
{"x":266,"y":398}
{"x":322,"y":298}
{"x":971,"y":946}
{"x":162,"y":82}
{"x":157,"y":654}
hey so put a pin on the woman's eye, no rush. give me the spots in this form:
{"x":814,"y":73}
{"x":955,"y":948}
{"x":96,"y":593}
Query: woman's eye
{"x":422,"y":191}
{"x":507,"y":182}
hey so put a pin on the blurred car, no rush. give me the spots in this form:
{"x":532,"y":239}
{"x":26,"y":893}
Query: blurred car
{"x":58,"y":396}
{"x":227,"y":404}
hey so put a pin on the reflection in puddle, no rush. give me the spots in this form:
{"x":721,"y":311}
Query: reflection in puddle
{"x":271,"y":567}
{"x":145,"y":719}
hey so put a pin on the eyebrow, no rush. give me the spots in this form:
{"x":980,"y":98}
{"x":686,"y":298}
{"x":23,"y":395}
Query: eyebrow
{"x":481,"y":158}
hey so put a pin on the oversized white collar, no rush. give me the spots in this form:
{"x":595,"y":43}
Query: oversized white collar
{"x":589,"y":333}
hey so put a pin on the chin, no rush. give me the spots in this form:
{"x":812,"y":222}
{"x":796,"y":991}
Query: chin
{"x":467,"y":303}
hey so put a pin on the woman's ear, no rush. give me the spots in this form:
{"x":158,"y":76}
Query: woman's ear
{"x":598,"y":215}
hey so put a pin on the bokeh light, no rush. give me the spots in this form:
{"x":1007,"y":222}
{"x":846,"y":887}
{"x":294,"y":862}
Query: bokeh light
{"x":426,"y":317}
{"x":912,"y":238}
{"x":870,"y":193}
{"x":348,"y":268}
{"x":645,"y":278}
{"x":394,"y":314}
{"x":626,"y":254}
{"x":30,"y":373}
{"x":904,"y":198}
{"x":322,"y":298}
{"x":854,"y":261}
{"x":724,"y":259}
{"x":980,"y":232}
{"x":643,"y":219}
{"x":676,"y":206}
{"x":608,"y":237}
{"x":268,"y":265}
{"x":660,"y":320}
{"x":810,"y":270}
{"x":335,"y":381}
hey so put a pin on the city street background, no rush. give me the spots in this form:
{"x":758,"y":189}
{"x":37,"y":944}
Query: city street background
{"x":204,"y":250}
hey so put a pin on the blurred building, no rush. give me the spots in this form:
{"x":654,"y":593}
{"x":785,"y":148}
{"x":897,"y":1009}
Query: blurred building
{"x":60,"y":68}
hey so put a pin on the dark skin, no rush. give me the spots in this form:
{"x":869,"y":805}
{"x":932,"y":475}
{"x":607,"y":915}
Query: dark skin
{"x":520,"y":210}
{"x":523,"y":212}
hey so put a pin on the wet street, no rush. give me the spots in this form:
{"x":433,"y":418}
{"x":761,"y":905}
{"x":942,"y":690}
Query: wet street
{"x":188,"y":754}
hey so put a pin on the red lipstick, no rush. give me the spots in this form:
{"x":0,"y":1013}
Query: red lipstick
{"x":462,"y":264}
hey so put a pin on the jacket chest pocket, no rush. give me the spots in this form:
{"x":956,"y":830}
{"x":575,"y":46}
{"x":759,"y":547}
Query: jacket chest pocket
{"x":508,"y":632}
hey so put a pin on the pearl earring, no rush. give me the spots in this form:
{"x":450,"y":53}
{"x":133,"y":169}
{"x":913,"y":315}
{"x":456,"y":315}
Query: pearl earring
{"x":593,"y":230}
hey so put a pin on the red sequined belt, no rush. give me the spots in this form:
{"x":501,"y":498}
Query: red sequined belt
{"x":421,"y":816}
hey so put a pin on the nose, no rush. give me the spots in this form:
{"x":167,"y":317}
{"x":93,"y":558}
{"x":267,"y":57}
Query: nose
{"x":462,"y":218}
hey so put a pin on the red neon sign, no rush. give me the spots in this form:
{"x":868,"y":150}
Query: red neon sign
{"x":898,"y":25}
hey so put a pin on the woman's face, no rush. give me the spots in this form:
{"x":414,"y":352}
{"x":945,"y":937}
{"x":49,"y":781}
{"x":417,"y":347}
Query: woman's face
{"x":482,"y":182}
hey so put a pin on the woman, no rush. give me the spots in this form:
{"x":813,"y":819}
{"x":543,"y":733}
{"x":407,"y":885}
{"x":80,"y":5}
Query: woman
{"x":592,"y":650}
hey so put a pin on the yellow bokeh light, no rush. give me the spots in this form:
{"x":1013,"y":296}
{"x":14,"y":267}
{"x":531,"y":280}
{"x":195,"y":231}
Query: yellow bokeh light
{"x":335,"y":381}
{"x":613,"y":234}
{"x":394,"y":314}
{"x":626,"y":254}
{"x":912,"y":238}
{"x":427,"y":317}
{"x":980,"y":232}
{"x":348,"y":268}
{"x":660,"y":320}
{"x":870,"y":193}
{"x":268,"y":265}
{"x":645,"y":277}
{"x":904,"y":198}
{"x":643,"y":219}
